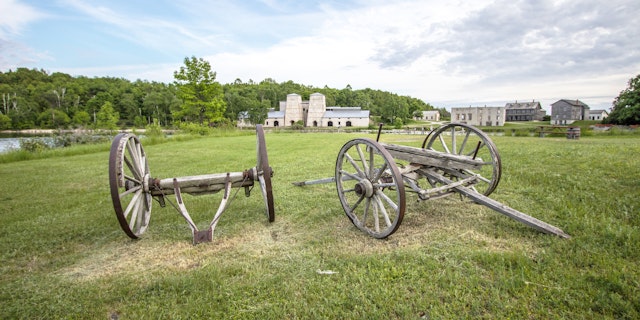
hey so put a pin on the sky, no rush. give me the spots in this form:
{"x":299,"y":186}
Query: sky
{"x":448,"y":53}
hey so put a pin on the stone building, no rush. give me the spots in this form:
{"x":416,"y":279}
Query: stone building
{"x":598,"y":115}
{"x":315,"y":113}
{"x":568,"y":111}
{"x":479,"y":116}
{"x":430,"y":115}
{"x":524,"y":111}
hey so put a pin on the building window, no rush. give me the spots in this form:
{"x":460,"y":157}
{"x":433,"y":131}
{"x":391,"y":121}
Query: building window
{"x":469,"y":116}
{"x":276,"y":124}
{"x":348,"y":123}
{"x":330,"y":124}
{"x":315,"y":123}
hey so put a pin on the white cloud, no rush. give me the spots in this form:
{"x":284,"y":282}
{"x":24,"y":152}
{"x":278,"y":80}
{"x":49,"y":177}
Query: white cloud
{"x":447,"y":53}
{"x":15,"y":16}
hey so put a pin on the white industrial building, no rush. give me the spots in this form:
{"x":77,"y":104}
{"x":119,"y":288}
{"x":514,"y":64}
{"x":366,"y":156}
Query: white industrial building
{"x":315,"y":113}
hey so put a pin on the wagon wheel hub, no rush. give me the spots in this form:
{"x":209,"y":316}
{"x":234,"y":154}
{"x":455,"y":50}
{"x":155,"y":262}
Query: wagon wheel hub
{"x":364,"y":188}
{"x":128,"y":185}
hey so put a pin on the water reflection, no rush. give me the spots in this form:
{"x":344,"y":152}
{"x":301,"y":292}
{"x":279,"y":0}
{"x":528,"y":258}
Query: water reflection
{"x":8,"y":144}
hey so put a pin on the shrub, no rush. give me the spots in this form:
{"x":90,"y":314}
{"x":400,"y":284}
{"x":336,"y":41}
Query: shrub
{"x":5,"y":122}
{"x":299,"y":125}
{"x":66,"y":140}
{"x":194,"y":128}
{"x":154,"y":129}
{"x":33,"y":145}
{"x":397,"y":124}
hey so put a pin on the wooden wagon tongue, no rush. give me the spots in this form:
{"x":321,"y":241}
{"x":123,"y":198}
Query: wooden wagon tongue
{"x":501,"y":208}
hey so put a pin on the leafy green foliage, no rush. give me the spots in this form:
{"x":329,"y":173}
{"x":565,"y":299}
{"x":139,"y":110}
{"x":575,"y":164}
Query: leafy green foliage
{"x":626,"y":107}
{"x":299,"y":125}
{"x":81,"y":118}
{"x":29,"y":93}
{"x":153,"y":130}
{"x":201,"y":94}
{"x":5,"y":122}
{"x":107,"y":117}
{"x":53,"y":118}
{"x":33,"y":145}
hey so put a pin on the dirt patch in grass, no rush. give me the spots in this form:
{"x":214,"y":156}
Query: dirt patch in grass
{"x":152,"y":255}
{"x":445,"y":224}
{"x":132,"y":257}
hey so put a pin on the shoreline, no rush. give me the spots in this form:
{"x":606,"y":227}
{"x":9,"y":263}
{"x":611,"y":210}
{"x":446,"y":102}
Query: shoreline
{"x":72,"y":131}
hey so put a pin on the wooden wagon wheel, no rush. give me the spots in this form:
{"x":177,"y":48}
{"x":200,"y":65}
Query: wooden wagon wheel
{"x":264,"y":173}
{"x":466,"y":140}
{"x":129,"y":182}
{"x":370,"y":187}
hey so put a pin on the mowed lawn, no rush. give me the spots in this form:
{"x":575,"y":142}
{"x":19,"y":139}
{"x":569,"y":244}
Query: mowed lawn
{"x":63,"y":254}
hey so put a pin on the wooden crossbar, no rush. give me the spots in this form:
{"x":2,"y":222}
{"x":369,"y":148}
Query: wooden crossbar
{"x":433,"y":158}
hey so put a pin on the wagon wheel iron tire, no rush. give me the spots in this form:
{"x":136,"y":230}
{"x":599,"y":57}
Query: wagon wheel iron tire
{"x":129,"y":183}
{"x":467,"y":140}
{"x":370,"y":187}
{"x":264,"y":173}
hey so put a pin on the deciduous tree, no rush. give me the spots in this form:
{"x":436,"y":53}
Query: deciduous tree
{"x":108,"y":117}
{"x":626,"y":107}
{"x":202,"y":97}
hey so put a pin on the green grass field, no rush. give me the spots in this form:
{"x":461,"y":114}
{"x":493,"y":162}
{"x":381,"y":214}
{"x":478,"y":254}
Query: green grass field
{"x":63,"y":254}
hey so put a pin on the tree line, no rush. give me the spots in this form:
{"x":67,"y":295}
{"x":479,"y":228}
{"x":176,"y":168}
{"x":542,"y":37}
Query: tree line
{"x":33,"y":98}
{"x":626,"y":106}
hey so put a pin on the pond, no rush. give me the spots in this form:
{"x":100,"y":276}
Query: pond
{"x":8,"y":144}
{"x":13,"y":143}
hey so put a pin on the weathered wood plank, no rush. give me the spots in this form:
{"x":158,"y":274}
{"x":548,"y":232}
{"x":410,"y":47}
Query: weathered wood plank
{"x":203,"y":184}
{"x":499,"y":207}
{"x":433,"y":158}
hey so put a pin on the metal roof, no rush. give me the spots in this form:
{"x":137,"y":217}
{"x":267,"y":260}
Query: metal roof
{"x":275,"y":114}
{"x":336,"y":112}
{"x":523,"y":105}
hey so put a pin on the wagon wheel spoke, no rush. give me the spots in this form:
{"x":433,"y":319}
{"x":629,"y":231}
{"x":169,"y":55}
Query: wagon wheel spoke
{"x":128,"y":175}
{"x":380,"y":172}
{"x":355,"y":166}
{"x":355,"y":205}
{"x":443,"y":143}
{"x":133,"y":220}
{"x":376,"y":219}
{"x":133,"y":179}
{"x":367,"y":207}
{"x":133,"y":169}
{"x":466,"y":140}
{"x":365,"y":165}
{"x":136,"y":166}
{"x":353,"y":176}
{"x":370,"y":187}
{"x":132,"y":190}
{"x":385,"y":215}
{"x":264,"y":174}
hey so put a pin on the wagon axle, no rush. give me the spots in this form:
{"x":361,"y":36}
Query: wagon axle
{"x":133,"y":188}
